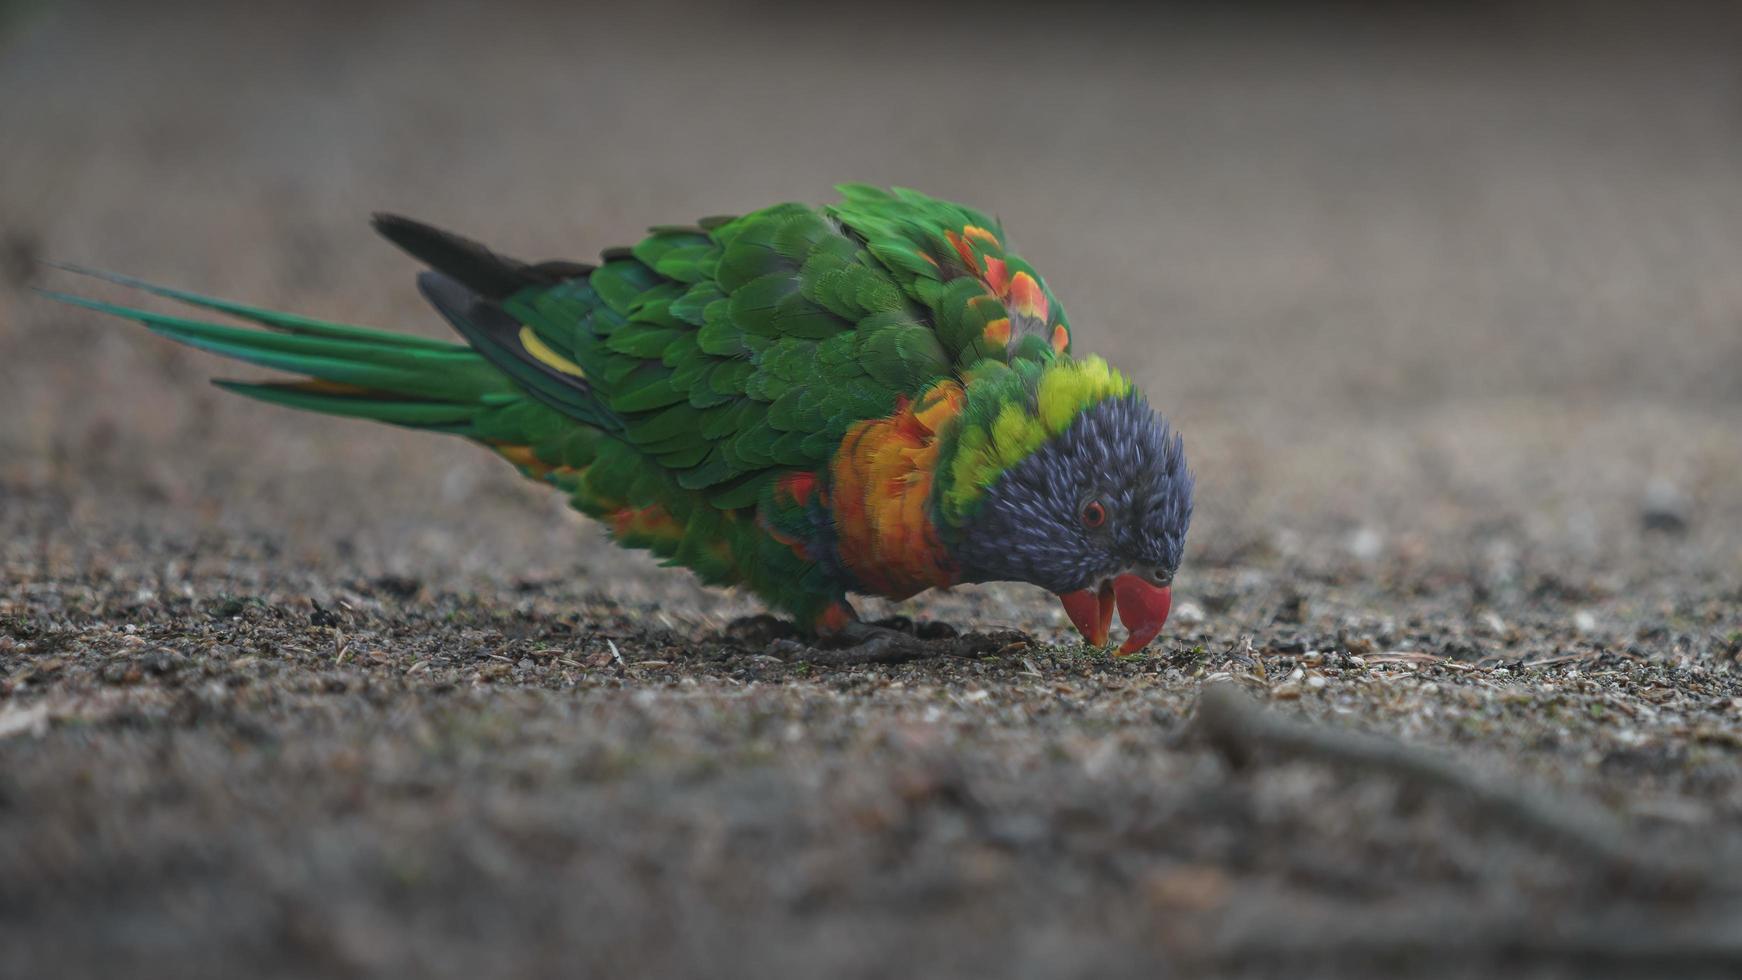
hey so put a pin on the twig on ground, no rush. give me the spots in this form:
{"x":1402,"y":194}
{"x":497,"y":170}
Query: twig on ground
{"x":1403,"y":657}
{"x":1501,"y":939}
{"x":1237,"y":728}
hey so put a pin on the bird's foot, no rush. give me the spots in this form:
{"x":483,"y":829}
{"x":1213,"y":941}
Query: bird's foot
{"x":864,"y":644}
{"x":883,"y":643}
{"x":756,"y":632}
{"x":928,"y":629}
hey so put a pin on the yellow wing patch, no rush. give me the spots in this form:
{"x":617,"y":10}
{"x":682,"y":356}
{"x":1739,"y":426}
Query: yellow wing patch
{"x":549,"y":358}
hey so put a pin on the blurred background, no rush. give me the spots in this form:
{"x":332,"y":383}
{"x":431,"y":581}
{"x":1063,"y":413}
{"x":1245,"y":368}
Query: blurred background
{"x":1428,"y":285}
{"x":1446,"y":300}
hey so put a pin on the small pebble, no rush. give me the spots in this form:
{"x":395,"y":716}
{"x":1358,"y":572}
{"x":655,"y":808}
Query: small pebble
{"x":1664,"y":508}
{"x":1367,"y":543}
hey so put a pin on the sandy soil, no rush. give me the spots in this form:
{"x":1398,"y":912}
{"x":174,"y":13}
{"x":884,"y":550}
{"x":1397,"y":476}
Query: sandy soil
{"x":1447,"y":308}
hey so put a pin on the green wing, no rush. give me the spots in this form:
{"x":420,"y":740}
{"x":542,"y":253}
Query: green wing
{"x":986,"y":304}
{"x":743,"y":347}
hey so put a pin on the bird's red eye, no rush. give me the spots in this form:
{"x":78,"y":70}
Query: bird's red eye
{"x":1094,"y":515}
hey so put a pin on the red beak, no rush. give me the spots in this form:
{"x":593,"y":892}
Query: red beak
{"x":1143,"y":608}
{"x":1091,"y":613}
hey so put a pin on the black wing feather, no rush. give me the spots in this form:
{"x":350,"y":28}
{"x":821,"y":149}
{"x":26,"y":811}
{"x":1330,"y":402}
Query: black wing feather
{"x":495,"y":334}
{"x":491,"y":276}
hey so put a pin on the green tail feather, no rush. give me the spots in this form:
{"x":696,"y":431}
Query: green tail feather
{"x":287,"y":322}
{"x":452,"y":417}
{"x":355,"y":372}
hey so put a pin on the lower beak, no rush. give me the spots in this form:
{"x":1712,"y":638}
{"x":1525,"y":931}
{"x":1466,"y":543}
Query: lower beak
{"x":1091,"y":612}
{"x":1143,"y":608}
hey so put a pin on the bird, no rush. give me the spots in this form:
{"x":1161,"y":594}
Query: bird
{"x":871,"y":397}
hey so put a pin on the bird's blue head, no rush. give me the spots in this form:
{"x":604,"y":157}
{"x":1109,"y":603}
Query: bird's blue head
{"x":1089,"y":499}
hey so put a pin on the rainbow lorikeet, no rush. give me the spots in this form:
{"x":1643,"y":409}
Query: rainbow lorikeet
{"x":875,"y":396}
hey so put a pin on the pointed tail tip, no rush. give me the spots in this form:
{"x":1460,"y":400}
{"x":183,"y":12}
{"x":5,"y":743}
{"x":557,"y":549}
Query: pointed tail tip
{"x":381,"y":221}
{"x":412,"y":235}
{"x":72,"y":299}
{"x":396,"y":228}
{"x":87,"y":271}
{"x":409,"y":234}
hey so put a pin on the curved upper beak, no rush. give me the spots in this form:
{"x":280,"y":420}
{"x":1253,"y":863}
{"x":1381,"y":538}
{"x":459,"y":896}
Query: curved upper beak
{"x":1143,"y":607}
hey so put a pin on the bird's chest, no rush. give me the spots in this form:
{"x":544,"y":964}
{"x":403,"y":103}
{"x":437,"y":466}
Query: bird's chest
{"x":880,"y":487}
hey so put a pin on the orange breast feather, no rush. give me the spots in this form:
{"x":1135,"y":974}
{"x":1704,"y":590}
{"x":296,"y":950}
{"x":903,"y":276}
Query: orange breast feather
{"x":882,"y":481}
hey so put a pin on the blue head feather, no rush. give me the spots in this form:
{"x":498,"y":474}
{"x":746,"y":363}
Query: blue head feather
{"x":1030,"y":526}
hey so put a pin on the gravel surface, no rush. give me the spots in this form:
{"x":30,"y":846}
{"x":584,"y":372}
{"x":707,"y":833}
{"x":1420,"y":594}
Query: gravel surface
{"x":1447,"y":308}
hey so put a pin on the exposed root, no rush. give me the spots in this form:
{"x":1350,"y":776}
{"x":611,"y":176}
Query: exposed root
{"x":1238,"y":728}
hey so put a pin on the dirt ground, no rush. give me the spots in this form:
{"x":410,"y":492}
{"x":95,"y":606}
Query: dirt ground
{"x":1447,"y":306}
